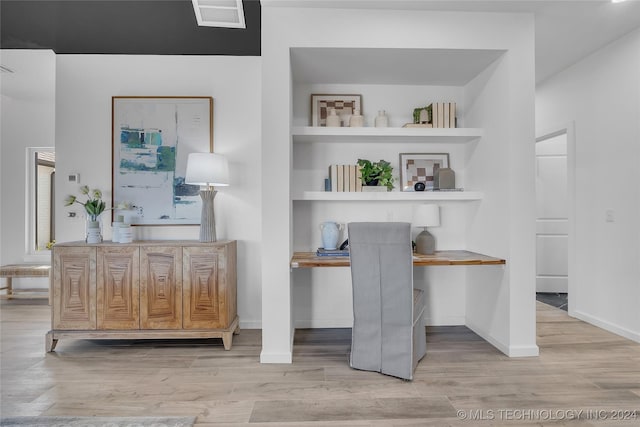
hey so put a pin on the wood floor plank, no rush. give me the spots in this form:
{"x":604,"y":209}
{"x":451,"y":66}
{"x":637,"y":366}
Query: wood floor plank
{"x":351,"y":409}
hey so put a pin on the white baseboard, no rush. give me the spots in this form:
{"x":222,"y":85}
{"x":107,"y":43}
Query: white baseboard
{"x":276,"y":357}
{"x":608,"y":326}
{"x":323,"y":323}
{"x":281,"y":357}
{"x":444,"y":321}
{"x":509,"y":350}
{"x":250,"y":324}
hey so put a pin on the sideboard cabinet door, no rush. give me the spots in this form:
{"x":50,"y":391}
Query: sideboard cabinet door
{"x":118,"y":304}
{"x":209,"y":286}
{"x":160,"y":287}
{"x":74,"y":288}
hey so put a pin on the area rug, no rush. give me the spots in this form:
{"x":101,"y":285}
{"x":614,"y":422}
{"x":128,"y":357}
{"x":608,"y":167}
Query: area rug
{"x":46,"y":421}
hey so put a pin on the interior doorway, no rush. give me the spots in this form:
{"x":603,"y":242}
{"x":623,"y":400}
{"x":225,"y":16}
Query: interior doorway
{"x":552,"y":219}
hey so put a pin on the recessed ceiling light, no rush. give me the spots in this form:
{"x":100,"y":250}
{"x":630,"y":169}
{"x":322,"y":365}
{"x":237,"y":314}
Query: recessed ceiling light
{"x":617,"y":1}
{"x":219,"y":13}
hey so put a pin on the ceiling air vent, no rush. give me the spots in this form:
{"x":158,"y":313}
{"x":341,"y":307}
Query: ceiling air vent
{"x":4,"y":69}
{"x":219,"y":13}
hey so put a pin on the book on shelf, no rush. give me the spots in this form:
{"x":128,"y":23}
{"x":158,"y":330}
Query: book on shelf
{"x":443,"y":115}
{"x":333,"y":177}
{"x":332,"y":252}
{"x":345,"y":178}
{"x":452,"y":114}
{"x":440,"y":115}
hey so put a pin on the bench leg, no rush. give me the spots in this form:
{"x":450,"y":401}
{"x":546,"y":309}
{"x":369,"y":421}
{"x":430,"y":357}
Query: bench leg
{"x":9,"y":287}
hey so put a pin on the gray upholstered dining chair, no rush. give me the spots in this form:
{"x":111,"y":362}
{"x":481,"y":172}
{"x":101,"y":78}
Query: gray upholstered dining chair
{"x":388,"y":334}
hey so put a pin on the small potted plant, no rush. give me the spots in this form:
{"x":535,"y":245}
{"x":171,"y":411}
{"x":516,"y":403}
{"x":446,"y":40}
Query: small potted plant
{"x":94,"y":206}
{"x":376,"y":174}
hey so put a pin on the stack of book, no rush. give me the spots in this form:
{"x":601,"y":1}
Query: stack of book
{"x":332,"y":252}
{"x":443,"y":115}
{"x":345,"y":178}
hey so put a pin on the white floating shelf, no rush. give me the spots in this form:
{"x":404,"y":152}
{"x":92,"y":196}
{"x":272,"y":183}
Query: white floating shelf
{"x":390,"y":196}
{"x":373,"y":134}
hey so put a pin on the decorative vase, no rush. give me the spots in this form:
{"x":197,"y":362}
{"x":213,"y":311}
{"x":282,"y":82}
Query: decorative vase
{"x":94,"y":232}
{"x":381,"y":119}
{"x":357,"y":120}
{"x":330,"y":232}
{"x":333,"y":119}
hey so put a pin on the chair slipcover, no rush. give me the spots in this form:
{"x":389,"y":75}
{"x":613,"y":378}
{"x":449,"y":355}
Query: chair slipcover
{"x":388,"y":334}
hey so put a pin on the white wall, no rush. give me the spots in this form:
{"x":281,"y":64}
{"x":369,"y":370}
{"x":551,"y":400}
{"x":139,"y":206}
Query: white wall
{"x":27,"y":120}
{"x":505,"y":313}
{"x":85,"y":85}
{"x":601,"y":95}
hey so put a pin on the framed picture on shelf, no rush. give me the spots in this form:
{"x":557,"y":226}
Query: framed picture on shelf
{"x":344,"y":105}
{"x":418,"y":167}
{"x":151,"y":140}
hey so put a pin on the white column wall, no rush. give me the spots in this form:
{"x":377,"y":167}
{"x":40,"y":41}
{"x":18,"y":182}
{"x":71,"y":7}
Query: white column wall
{"x":601,"y":96}
{"x":512,"y":327}
{"x":85,"y":85}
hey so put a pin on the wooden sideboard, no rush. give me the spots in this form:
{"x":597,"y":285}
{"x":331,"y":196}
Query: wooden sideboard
{"x":143,"y":290}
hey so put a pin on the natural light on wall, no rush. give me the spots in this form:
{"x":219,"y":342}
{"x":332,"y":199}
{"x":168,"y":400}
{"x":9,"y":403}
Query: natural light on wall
{"x":219,"y":13}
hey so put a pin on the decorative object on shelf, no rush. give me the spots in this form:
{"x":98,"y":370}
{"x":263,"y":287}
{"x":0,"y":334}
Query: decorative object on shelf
{"x":444,"y":179}
{"x":376,"y":174}
{"x":381,"y":121}
{"x":418,"y":167}
{"x":426,"y":216}
{"x":330,"y":232}
{"x":422,"y":115}
{"x":115,"y":228}
{"x":148,"y":166}
{"x":333,"y":119}
{"x":343,"y":104}
{"x":419,"y":186}
{"x":125,"y":234}
{"x":207,"y":170}
{"x":332,"y":252}
{"x":356,"y":120}
{"x":94,"y":232}
{"x":94,"y":206}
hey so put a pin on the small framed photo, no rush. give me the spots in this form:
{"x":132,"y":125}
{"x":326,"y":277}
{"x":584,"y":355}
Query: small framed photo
{"x":344,"y":105}
{"x":418,"y":167}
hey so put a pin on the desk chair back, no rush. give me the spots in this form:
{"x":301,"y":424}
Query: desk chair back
{"x":388,"y":334}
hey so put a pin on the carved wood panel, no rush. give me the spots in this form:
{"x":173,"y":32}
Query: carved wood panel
{"x":203,"y":287}
{"x":160,"y":287}
{"x":74,"y":288}
{"x":118,"y":304}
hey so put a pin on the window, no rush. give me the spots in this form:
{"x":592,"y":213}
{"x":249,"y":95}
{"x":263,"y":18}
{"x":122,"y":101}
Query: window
{"x":41,"y":196}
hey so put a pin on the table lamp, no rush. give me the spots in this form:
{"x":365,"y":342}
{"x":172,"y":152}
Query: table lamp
{"x":207,"y":170}
{"x":426,"y":216}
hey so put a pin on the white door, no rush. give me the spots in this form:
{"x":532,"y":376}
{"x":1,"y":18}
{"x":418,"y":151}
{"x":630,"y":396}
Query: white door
{"x":552,"y":214}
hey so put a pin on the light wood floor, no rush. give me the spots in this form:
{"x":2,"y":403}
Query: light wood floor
{"x":580,"y":368}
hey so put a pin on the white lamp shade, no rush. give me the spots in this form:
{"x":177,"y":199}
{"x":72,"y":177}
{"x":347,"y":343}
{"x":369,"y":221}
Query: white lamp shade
{"x":207,"y":169}
{"x":426,"y":216}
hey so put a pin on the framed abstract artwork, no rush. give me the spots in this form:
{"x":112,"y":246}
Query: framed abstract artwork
{"x":418,"y":167}
{"x":344,"y":105}
{"x":151,"y":140}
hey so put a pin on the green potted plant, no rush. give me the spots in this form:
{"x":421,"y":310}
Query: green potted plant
{"x":376,"y":173}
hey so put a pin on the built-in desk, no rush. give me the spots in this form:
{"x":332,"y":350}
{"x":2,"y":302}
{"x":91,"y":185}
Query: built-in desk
{"x":310,"y":259}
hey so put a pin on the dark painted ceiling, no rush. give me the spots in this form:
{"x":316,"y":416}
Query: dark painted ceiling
{"x":159,"y":27}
